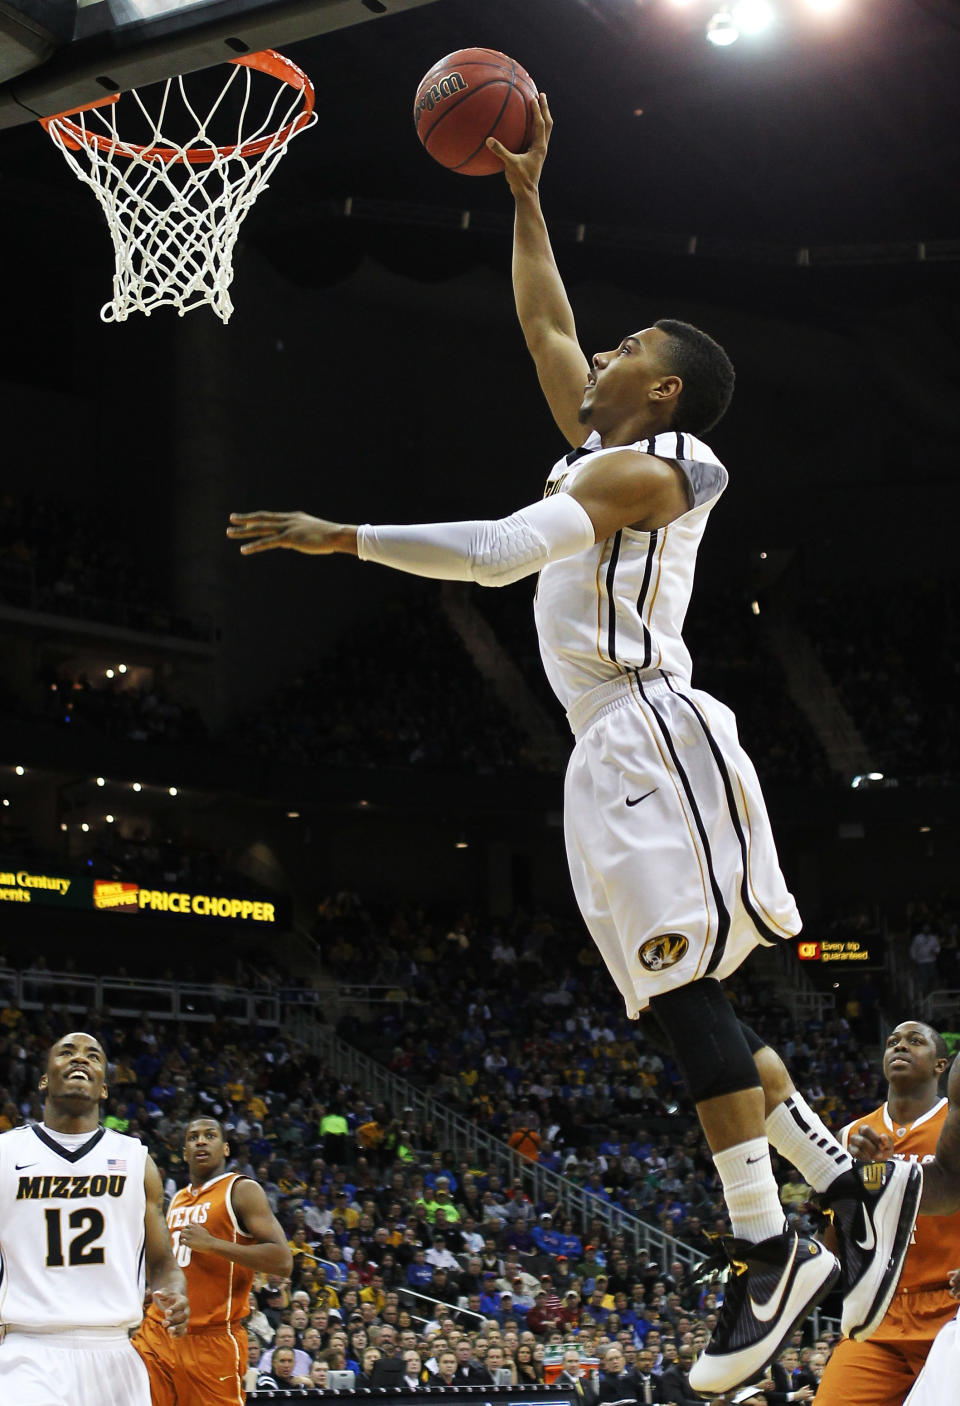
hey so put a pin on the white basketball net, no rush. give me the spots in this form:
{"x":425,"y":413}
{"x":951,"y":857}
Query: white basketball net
{"x":175,"y":207}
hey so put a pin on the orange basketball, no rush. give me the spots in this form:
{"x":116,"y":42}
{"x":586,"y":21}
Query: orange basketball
{"x":468,"y":96}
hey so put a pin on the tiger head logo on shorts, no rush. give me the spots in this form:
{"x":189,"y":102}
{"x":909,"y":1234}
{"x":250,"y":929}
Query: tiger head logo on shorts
{"x":658,"y":953}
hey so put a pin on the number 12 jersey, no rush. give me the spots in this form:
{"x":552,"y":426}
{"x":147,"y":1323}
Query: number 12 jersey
{"x":71,"y":1231}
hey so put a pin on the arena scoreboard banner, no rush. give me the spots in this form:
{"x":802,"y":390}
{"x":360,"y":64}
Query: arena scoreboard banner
{"x":26,"y":885}
{"x":848,"y":953}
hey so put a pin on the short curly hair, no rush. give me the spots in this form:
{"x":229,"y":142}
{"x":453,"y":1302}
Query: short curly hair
{"x":706,"y":372}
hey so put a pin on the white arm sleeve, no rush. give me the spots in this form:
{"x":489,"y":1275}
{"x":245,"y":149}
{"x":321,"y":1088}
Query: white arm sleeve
{"x":490,"y":553}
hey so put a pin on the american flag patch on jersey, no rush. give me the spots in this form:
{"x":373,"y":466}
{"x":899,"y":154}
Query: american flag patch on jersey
{"x":116,"y":1164}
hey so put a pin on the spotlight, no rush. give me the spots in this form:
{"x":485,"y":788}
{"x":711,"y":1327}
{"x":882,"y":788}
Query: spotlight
{"x":5,"y":801}
{"x":19,"y":770}
{"x":293,"y":815}
{"x":137,"y":786}
{"x":721,"y":30}
{"x":753,"y":16}
{"x":63,"y":825}
{"x":85,"y":827}
{"x":461,"y":844}
{"x":108,"y":819}
{"x":865,"y":778}
{"x":101,"y":781}
{"x":109,"y":673}
{"x":171,"y":790}
{"x":121,"y":668}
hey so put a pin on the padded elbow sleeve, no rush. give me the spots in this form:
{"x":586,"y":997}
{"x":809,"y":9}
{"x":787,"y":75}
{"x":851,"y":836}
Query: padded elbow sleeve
{"x":492,"y":553}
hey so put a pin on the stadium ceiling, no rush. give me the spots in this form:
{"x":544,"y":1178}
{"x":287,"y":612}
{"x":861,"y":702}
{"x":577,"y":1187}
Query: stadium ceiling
{"x":833,"y":134}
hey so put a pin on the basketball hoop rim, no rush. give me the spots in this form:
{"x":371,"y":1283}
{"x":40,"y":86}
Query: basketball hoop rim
{"x":266,"y":61}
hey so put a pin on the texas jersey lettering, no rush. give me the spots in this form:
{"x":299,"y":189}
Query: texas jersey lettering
{"x":217,"y":1288}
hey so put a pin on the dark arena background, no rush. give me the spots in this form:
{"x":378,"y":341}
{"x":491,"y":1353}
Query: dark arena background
{"x":285,"y":834}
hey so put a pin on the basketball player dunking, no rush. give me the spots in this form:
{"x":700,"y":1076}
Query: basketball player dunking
{"x":223,"y":1230}
{"x":81,"y":1208}
{"x":670,"y":849}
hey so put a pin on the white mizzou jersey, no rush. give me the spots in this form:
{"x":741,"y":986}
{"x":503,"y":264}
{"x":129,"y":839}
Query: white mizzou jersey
{"x":71,"y":1231}
{"x":620,"y":605}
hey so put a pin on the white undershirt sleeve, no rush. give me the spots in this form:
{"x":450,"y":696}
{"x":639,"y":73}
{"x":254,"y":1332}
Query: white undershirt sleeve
{"x":491,"y":553}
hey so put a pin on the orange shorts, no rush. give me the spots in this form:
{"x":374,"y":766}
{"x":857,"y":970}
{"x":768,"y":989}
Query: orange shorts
{"x":881,"y":1371}
{"x":201,"y":1369}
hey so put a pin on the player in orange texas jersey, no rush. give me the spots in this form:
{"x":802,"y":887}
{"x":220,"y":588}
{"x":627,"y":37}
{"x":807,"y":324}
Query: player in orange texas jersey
{"x":881,"y":1372}
{"x":222,"y":1230}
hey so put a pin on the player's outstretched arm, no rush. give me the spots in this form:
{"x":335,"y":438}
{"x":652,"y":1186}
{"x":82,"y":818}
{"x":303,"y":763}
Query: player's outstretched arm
{"x":271,"y":1253}
{"x":165,"y":1278}
{"x":622,"y":488}
{"x":542,"y":304}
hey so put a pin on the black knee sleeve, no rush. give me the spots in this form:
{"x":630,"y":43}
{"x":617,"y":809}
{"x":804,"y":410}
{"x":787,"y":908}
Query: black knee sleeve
{"x":707,"y":1040}
{"x":752,"y":1038}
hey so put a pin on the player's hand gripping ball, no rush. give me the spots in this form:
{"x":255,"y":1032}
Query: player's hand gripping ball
{"x":467,"y":97}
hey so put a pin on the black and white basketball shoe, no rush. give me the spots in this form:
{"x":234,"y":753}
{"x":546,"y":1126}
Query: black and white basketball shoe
{"x":770,"y":1288}
{"x":873,"y":1208}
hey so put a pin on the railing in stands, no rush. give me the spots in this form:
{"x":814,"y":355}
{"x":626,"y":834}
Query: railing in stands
{"x":35,"y":989}
{"x":406,"y":1294}
{"x":469,"y":1142}
{"x":942,"y":1008}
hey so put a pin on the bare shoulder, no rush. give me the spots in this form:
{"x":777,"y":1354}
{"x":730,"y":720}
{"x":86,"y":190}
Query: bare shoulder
{"x":247,"y":1194}
{"x":641,"y":490}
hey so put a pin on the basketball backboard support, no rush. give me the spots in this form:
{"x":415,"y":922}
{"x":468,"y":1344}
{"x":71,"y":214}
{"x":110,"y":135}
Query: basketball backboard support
{"x":56,"y":55}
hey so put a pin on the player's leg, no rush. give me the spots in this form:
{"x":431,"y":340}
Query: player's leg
{"x":34,"y":1372}
{"x":778,"y":1276}
{"x":158,"y":1352}
{"x":71,"y":1370}
{"x":650,"y":884}
{"x":873,"y":1206}
{"x":865,"y":1374}
{"x":212,"y":1369}
{"x":937,"y":1384}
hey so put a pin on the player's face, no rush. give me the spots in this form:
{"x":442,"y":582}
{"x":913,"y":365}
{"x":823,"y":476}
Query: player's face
{"x":204,"y":1149}
{"x":621,"y":381}
{"x":76,"y":1069}
{"x":910,"y":1053}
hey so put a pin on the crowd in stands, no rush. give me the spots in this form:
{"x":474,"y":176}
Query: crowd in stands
{"x":895,"y":658}
{"x":119,"y":709}
{"x":60,"y":557}
{"x":410,"y":697}
{"x":434,"y":1268}
{"x":391,"y":701}
{"x":520,"y":1014}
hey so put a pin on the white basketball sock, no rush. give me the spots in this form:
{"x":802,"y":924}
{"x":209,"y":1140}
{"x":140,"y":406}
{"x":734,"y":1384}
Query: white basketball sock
{"x":799,"y":1135}
{"x":750,"y":1190}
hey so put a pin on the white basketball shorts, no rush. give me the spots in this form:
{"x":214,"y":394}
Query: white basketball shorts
{"x":937,"y":1383}
{"x":669,"y":843}
{"x":75,"y":1369}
